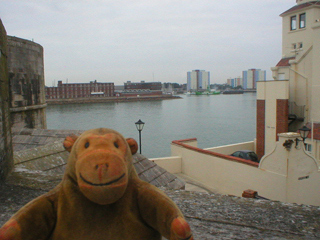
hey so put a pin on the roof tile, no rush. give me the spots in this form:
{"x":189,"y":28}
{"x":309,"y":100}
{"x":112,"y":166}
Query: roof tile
{"x":42,"y":150}
{"x":284,"y":62}
{"x":300,"y":7}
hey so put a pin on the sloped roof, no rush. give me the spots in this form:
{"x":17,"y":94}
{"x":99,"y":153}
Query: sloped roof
{"x":300,"y":7}
{"x":45,"y":156}
{"x":284,"y":62}
{"x":29,"y":138}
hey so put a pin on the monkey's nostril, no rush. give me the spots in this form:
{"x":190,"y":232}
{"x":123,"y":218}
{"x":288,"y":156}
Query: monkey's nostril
{"x":97,"y":166}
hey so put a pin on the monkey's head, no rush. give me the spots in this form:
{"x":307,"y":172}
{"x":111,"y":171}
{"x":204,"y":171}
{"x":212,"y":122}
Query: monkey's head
{"x":100,"y":162}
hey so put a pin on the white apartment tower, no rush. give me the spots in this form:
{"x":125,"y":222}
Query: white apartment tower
{"x":198,"y":80}
{"x":235,"y":82}
{"x":251,"y":77}
{"x":292,"y":99}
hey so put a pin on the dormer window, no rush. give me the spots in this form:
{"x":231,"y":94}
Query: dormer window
{"x":302,"y":20}
{"x":293,"y":25}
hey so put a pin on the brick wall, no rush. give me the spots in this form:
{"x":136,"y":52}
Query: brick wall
{"x":6,"y":160}
{"x":260,"y":128}
{"x":316,"y":130}
{"x":80,"y":90}
{"x":143,"y":85}
{"x":282,"y":116}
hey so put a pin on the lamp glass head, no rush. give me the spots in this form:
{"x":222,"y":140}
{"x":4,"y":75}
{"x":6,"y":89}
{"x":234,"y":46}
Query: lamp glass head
{"x":304,"y":132}
{"x":139,"y":125}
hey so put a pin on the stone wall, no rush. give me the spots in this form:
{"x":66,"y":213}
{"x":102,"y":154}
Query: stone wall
{"x":26,"y":77}
{"x":6,"y":160}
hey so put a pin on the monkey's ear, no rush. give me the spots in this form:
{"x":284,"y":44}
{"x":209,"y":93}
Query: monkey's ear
{"x":69,"y":141}
{"x":133,"y":145}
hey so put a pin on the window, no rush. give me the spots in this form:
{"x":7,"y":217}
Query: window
{"x":294,"y":46}
{"x":308,"y":147}
{"x":293,"y":25}
{"x":300,"y":45}
{"x":281,"y":76}
{"x":302,"y":20}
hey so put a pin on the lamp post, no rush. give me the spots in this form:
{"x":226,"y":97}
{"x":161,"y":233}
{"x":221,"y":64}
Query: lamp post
{"x":304,"y":132}
{"x":139,"y":126}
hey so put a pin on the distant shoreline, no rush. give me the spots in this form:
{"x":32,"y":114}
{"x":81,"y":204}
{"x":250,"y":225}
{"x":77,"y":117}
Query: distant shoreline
{"x":109,"y":99}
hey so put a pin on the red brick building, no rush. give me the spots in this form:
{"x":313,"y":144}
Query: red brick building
{"x":153,"y":86}
{"x":135,"y":89}
{"x":80,"y":90}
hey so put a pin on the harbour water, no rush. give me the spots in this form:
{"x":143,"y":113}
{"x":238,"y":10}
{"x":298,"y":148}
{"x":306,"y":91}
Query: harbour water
{"x":214,"y":120}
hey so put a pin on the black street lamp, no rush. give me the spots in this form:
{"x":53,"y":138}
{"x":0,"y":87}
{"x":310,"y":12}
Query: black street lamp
{"x":139,"y":126}
{"x":304,"y":132}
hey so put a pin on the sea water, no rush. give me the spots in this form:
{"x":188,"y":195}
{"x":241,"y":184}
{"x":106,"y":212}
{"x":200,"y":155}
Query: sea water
{"x":215,"y":120}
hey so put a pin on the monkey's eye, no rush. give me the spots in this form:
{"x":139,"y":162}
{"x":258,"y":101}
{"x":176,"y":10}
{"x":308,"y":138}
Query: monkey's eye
{"x":116,"y":145}
{"x":87,"y":145}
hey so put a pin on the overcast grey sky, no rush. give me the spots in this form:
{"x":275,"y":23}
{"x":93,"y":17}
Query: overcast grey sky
{"x":150,"y":40}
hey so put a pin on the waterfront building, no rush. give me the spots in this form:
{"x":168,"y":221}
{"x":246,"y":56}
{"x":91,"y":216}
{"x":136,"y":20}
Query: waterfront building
{"x":173,"y":88}
{"x":235,"y":82}
{"x":137,"y":89}
{"x":292,"y":99}
{"x":198,"y":80}
{"x":142,"y":85}
{"x":80,"y":90}
{"x":251,"y":76}
{"x":288,"y":169}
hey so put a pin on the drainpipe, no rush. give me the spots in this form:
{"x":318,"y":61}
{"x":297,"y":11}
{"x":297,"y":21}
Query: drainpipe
{"x":314,"y":153}
{"x":307,"y":87}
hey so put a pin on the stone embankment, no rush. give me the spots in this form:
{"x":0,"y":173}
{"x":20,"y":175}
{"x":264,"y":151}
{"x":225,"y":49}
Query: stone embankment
{"x":110,"y":99}
{"x":211,"y":216}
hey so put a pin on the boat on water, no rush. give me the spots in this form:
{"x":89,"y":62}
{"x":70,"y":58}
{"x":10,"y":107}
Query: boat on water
{"x":233,"y":92}
{"x":208,"y":92}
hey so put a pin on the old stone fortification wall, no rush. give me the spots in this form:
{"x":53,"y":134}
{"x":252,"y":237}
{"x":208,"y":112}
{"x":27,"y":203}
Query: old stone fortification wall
{"x":26,"y":77}
{"x":6,"y":160}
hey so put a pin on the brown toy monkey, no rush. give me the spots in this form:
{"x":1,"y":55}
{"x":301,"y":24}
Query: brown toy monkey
{"x":100,"y":197}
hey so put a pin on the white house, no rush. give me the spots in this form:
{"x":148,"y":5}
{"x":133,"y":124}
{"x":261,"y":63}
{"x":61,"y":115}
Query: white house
{"x":287,"y":170}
